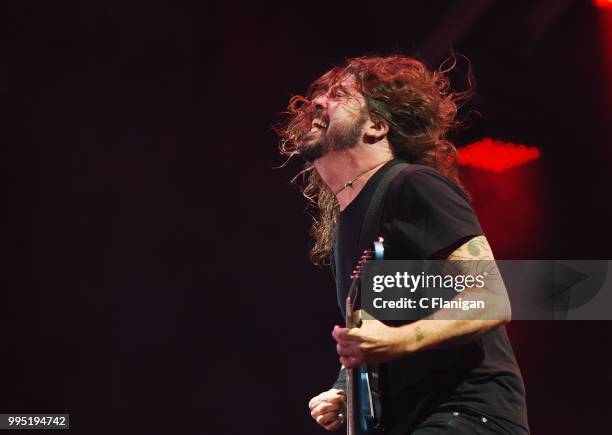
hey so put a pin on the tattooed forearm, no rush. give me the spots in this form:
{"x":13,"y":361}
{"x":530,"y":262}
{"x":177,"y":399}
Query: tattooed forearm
{"x":446,"y":327}
{"x":419,"y":334}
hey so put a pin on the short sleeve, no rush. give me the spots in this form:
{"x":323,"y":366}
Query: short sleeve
{"x":426,"y":216}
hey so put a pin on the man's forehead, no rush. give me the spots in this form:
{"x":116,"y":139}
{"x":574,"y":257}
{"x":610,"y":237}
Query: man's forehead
{"x":348,"y":82}
{"x":345,"y":81}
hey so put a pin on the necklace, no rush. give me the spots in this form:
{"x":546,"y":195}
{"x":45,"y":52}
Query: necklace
{"x":350,"y":182}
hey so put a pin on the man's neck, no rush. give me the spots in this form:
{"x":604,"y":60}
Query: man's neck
{"x":340,"y":167}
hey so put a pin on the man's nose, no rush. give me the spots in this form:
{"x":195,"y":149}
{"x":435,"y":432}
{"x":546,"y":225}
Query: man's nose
{"x":320,"y":102}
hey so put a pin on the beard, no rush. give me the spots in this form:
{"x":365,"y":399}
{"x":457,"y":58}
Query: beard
{"x":316,"y":144}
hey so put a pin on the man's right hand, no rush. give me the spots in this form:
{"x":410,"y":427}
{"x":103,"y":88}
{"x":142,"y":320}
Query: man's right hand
{"x":328,"y":408}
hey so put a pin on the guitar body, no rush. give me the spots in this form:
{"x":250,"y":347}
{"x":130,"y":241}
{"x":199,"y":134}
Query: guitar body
{"x":358,"y":405}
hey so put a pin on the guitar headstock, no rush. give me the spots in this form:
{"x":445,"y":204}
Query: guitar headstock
{"x":365,"y":257}
{"x":376,"y":252}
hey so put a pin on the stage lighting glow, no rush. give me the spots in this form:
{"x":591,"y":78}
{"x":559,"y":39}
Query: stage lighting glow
{"x":603,"y":3}
{"x":495,"y":155}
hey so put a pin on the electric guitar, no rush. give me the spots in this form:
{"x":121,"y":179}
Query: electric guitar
{"x":363,"y":404}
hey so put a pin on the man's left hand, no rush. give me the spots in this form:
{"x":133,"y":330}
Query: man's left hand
{"x":373,"y":342}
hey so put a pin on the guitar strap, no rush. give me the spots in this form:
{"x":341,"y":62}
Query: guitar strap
{"x":369,"y":232}
{"x":371,"y":221}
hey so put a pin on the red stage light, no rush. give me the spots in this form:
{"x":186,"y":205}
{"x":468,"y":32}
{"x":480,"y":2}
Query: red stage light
{"x":604,"y":22}
{"x":497,"y":156}
{"x":603,"y":3}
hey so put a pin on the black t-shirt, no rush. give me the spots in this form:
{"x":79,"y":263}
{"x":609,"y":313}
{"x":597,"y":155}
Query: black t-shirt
{"x":427,"y":216}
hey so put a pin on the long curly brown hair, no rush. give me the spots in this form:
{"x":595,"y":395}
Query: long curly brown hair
{"x":417,"y":104}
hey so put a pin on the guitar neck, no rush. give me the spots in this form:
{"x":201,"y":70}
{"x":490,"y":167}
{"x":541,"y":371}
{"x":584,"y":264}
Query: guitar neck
{"x":351,"y":374}
{"x":350,"y":402}
{"x":353,"y":320}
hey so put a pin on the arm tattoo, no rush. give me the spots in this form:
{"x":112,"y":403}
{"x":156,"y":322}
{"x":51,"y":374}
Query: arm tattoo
{"x":419,"y":334}
{"x":476,"y":248}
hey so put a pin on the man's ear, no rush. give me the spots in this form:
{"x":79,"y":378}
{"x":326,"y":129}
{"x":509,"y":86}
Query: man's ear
{"x":376,"y":131}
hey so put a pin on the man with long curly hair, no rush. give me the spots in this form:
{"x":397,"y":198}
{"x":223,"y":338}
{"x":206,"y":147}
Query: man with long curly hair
{"x":355,"y":123}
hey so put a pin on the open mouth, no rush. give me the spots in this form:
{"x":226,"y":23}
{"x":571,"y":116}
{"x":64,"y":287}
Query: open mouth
{"x":317,"y":124}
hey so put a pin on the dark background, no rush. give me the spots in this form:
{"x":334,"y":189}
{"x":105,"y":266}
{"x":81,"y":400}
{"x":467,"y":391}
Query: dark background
{"x":156,"y":278}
